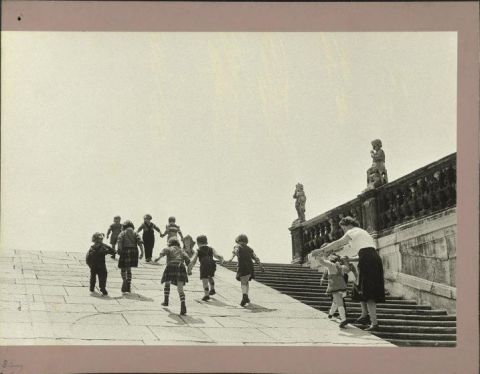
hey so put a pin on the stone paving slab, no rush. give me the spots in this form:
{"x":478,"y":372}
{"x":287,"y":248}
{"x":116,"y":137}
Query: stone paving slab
{"x":44,"y":300}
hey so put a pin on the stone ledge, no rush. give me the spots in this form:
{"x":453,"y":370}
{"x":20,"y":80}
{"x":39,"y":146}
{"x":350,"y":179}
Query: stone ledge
{"x":422,"y":284}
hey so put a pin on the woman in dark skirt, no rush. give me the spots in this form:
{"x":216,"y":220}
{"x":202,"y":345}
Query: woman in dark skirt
{"x":245,"y":270}
{"x":148,"y":236}
{"x":175,"y":271}
{"x":205,"y":254}
{"x":128,"y":240}
{"x":369,"y":288}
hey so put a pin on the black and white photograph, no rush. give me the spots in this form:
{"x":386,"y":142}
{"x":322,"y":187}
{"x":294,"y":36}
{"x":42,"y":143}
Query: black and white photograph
{"x":229,"y":189}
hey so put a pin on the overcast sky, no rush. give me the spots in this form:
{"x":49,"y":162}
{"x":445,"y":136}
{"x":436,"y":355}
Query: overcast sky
{"x":213,"y":128}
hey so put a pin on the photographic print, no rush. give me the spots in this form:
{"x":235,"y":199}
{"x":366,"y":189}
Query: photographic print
{"x":178,"y":189}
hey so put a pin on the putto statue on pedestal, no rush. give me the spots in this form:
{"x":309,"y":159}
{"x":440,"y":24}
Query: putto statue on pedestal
{"x":300,"y":197}
{"x":377,"y":173}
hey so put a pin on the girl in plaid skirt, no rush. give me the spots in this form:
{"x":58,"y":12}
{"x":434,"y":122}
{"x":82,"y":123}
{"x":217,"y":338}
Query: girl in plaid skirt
{"x":128,"y":240}
{"x":175,"y":271}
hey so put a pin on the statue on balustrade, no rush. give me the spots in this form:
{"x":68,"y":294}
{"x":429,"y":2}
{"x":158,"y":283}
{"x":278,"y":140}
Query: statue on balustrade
{"x":300,"y":197}
{"x":377,"y":173}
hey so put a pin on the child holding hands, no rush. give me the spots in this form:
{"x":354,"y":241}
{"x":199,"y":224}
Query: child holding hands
{"x":245,"y":270}
{"x":207,"y":265}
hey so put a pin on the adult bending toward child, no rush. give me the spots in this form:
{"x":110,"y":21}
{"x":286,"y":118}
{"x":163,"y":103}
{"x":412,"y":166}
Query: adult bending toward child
{"x":370,"y":287}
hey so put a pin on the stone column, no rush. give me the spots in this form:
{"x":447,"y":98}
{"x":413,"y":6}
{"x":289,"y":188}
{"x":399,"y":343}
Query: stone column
{"x":370,"y":212}
{"x":297,"y":243}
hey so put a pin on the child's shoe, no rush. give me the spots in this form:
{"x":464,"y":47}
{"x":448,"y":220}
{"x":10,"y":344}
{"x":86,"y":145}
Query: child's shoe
{"x":212,"y":292}
{"x":343,"y":324}
{"x":92,"y":289}
{"x":244,"y":300}
{"x":183,"y":309}
{"x":127,"y":288}
{"x":165,"y":301}
{"x":104,"y":292}
{"x":206,"y":298}
{"x":124,"y":287}
{"x":330,"y":316}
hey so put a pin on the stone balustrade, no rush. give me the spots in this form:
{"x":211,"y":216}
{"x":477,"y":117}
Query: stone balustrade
{"x":424,"y":192}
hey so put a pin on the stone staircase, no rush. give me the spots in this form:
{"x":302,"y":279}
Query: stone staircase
{"x":402,"y":322}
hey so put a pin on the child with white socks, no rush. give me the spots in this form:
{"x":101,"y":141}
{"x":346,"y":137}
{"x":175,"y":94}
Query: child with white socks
{"x":337,"y":286}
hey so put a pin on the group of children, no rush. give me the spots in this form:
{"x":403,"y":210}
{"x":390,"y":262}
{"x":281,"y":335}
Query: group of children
{"x":128,"y":242}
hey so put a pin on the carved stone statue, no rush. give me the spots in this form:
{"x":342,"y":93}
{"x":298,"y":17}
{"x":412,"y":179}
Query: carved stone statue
{"x":377,"y":173}
{"x":300,"y":197}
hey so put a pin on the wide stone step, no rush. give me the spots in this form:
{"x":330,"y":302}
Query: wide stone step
{"x":380,"y":306}
{"x":422,"y":343}
{"x":314,"y":293}
{"x":326,"y":297}
{"x":414,"y":329}
{"x":389,"y":311}
{"x":421,"y":323}
{"x":413,"y":336}
{"x":282,"y":276}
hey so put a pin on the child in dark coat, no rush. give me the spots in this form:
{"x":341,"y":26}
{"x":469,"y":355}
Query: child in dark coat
{"x":96,"y":262}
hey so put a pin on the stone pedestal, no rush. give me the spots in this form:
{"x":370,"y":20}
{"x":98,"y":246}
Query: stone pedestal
{"x":297,"y":243}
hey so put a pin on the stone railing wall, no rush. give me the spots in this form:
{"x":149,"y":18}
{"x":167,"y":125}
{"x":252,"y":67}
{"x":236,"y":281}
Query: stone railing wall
{"x":421,"y":193}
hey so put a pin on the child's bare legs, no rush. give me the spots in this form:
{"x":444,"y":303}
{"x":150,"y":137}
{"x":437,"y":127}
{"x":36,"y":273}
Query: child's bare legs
{"x":338,"y":300}
{"x":206,"y":290}
{"x":166,"y":293}
{"x":212,"y":285}
{"x":113,"y":247}
{"x":183,"y":307}
{"x":333,"y":309}
{"x":244,"y":285}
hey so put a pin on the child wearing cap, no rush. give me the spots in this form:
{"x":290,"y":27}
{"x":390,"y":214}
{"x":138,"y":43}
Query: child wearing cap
{"x":172,"y":230}
{"x":205,"y":254}
{"x":128,"y":241}
{"x":115,"y":229}
{"x":175,"y":271}
{"x":148,"y":235}
{"x":96,"y":262}
{"x":245,"y":270}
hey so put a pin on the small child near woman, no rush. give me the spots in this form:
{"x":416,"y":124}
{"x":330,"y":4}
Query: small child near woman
{"x":175,"y":271}
{"x":337,"y":286}
{"x":205,"y":254}
{"x":245,"y":270}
